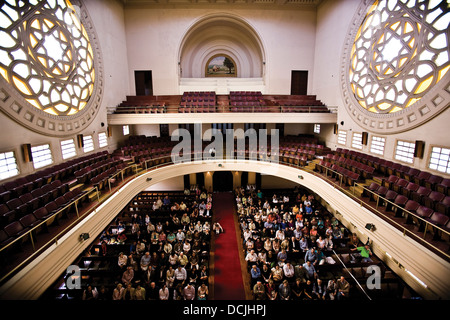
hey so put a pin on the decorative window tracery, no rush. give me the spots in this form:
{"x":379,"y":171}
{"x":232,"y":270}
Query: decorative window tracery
{"x":45,"y":53}
{"x":399,"y":53}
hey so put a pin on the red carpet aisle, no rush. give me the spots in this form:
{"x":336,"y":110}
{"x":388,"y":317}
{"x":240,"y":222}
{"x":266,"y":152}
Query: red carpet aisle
{"x":228,"y":283}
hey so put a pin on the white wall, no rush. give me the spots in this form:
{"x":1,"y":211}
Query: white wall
{"x":148,"y":130}
{"x":172,"y":184}
{"x":154,"y":37}
{"x":274,"y":182}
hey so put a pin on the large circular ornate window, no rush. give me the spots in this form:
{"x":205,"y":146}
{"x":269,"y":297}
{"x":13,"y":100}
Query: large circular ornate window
{"x":47,"y":56}
{"x":396,"y":57}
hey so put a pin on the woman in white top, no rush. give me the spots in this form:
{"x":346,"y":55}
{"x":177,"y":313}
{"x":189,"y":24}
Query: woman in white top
{"x":164,"y":293}
{"x":280,"y":234}
{"x":186,"y":247}
{"x":320,"y":243}
{"x":122,"y":260}
{"x":267,"y":244}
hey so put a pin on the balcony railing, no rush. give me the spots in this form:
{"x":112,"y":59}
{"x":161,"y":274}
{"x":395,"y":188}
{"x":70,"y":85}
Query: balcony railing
{"x":151,"y":164}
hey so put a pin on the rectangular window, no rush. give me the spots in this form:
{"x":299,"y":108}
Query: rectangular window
{"x":88,"y":143}
{"x":126,"y":130}
{"x":440,"y":159}
{"x":317,"y":128}
{"x":357,"y":140}
{"x":342,"y":137}
{"x":8,"y":165}
{"x":102,"y":139}
{"x":68,"y":149}
{"x":405,"y":151}
{"x":377,"y":145}
{"x":42,"y":156}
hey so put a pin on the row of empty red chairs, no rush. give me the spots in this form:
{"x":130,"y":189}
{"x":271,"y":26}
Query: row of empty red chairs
{"x":206,"y":97}
{"x":349,"y":177}
{"x":50,"y":209}
{"x":245,"y":99}
{"x":407,"y":197}
{"x":387,"y":168}
{"x":197,"y":109}
{"x":301,"y":147}
{"x":188,"y":94}
{"x":242,"y":98}
{"x":64,"y":171}
{"x":87,"y":173}
{"x":288,"y":156}
{"x":235,"y":93}
{"x":21,"y":210}
{"x":306,"y":109}
{"x":362,"y":169}
{"x":143,"y":149}
{"x":422,"y":195}
{"x":140,"y":109}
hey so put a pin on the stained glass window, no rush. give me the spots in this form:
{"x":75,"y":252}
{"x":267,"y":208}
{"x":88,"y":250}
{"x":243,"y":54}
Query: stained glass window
{"x":45,"y":53}
{"x":400,"y":52}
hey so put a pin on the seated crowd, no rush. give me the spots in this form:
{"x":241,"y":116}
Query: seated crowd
{"x":164,"y":250}
{"x":287,"y":239}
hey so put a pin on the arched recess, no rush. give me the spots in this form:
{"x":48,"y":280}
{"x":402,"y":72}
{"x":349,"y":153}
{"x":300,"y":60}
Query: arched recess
{"x":221,"y":33}
{"x":32,"y":281}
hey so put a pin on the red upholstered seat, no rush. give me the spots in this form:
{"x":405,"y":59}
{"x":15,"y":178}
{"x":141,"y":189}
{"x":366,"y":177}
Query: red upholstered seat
{"x":443,"y":206}
{"x":433,"y":198}
{"x":422,"y":177}
{"x":410,"y":187}
{"x":389,"y":183}
{"x":444,"y":187}
{"x":433,"y":181}
{"x":420,"y":193}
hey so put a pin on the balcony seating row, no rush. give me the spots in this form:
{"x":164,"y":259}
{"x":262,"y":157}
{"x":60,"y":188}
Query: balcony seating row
{"x":140,"y":109}
{"x":387,"y":168}
{"x":64,"y":172}
{"x":306,"y":108}
{"x":433,"y":208}
{"x":349,"y":177}
{"x":365,"y":171}
{"x":51,"y":210}
{"x":87,"y":173}
{"x":197,"y":108}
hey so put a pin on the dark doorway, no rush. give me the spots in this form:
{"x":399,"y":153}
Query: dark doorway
{"x":280,"y":128}
{"x":164,"y":130}
{"x":223,"y":181}
{"x":200,"y":178}
{"x":299,"y":82}
{"x":187,"y":181}
{"x":144,"y":83}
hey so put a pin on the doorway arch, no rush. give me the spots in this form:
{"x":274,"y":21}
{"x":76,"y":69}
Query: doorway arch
{"x":221,"y":34}
{"x":223,"y":181}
